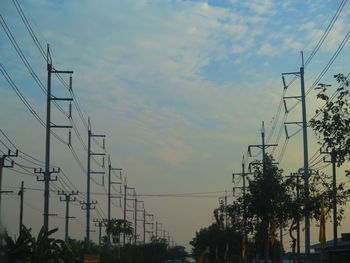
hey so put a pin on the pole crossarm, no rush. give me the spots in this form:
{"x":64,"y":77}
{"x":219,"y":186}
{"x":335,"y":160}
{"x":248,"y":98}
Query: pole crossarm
{"x":61,"y":99}
{"x":292,"y":97}
{"x":3,"y":158}
{"x":96,"y":172}
{"x":6,"y":191}
{"x":260,"y":147}
{"x":88,"y":205}
{"x":62,"y":71}
{"x":98,"y":135}
{"x":47,"y":176}
{"x":297,"y":73}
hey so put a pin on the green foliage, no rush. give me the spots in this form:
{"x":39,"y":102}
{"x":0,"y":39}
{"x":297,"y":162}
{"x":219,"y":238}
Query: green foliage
{"x":177,"y":252}
{"x":18,"y":250}
{"x":44,"y":248}
{"x":216,"y":239}
{"x":27,"y":248}
{"x":332,"y":121}
{"x":266,"y":199}
{"x":116,"y":227}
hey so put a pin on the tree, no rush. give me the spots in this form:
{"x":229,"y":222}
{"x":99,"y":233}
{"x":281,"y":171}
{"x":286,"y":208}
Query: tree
{"x":266,"y":197}
{"x":332,"y":121}
{"x":177,"y":252}
{"x":217,"y":244}
{"x":116,"y":227}
{"x":42,"y":249}
{"x":18,"y":250}
{"x":320,"y":188}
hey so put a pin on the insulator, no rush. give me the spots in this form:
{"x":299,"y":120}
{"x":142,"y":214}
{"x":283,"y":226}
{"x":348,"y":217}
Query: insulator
{"x":285,"y":106}
{"x":70,"y":111}
{"x":70,"y":83}
{"x":70,"y":137}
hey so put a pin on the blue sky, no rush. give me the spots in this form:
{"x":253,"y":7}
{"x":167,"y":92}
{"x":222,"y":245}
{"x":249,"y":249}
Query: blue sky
{"x":180,"y":88}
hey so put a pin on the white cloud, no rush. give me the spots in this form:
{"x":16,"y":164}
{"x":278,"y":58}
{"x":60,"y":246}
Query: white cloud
{"x":259,"y":6}
{"x":267,"y":50}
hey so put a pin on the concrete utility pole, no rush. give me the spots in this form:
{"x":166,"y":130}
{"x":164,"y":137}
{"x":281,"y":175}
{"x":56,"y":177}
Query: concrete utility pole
{"x":334,"y":193}
{"x":145,"y":224}
{"x":126,"y":188}
{"x":110,"y":169}
{"x":157,"y":229}
{"x":88,"y":204}
{"x":99,"y":224}
{"x":21,"y":193}
{"x":136,"y":214}
{"x":263,"y":146}
{"x":3,"y":165}
{"x":135,"y":220}
{"x":67,"y":198}
{"x":297,"y":176}
{"x":243,"y":174}
{"x":305,"y":147}
{"x":226,"y":209}
{"x":47,"y":172}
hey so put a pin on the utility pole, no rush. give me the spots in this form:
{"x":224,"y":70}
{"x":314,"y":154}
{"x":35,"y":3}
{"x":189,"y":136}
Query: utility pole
{"x":243,"y":174}
{"x":67,"y":198}
{"x":281,"y":242}
{"x":145,"y":224}
{"x":136,"y":218}
{"x":297,"y":175}
{"x":126,"y":188}
{"x":226,"y":209}
{"x":168,"y":237}
{"x":305,"y":147}
{"x":47,"y":173}
{"x":99,"y":224}
{"x":21,"y":193}
{"x":223,"y":203}
{"x":3,"y":165}
{"x":334,"y":193}
{"x":157,"y":229}
{"x":110,"y":169}
{"x":88,"y":204}
{"x":263,"y":146}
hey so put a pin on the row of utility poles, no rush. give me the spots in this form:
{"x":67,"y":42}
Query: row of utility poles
{"x":303,"y":173}
{"x":88,"y":204}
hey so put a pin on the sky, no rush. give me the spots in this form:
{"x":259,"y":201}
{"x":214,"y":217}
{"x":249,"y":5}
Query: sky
{"x":180,"y":89}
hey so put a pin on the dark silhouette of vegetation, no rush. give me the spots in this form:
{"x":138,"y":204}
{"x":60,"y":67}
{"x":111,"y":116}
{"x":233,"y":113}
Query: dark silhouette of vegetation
{"x":271,"y":203}
{"x":332,"y":121}
{"x":45,"y":249}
